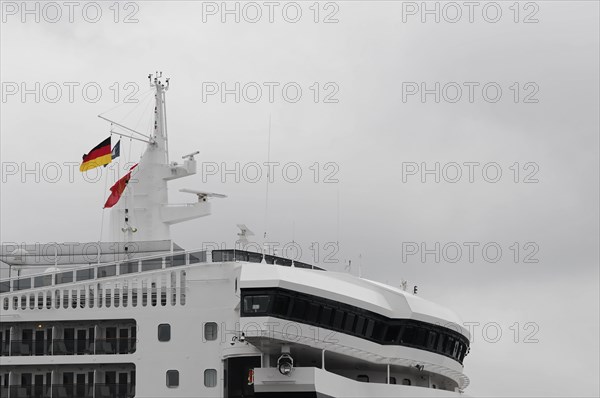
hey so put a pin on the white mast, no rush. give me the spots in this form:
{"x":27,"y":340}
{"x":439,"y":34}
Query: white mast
{"x":144,"y":212}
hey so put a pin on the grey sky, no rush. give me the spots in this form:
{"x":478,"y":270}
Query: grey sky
{"x":368,"y":134}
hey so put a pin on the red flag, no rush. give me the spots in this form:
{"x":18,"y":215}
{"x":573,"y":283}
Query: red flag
{"x":117,"y":190}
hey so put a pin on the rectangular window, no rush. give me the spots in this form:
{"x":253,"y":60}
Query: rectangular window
{"x":431,"y":338}
{"x":299,"y":309}
{"x":326,"y":314}
{"x":338,"y":319}
{"x":369,"y":328}
{"x":150,"y":265}
{"x":128,"y":268}
{"x":449,"y":345}
{"x":312,"y":315}
{"x":210,"y":377}
{"x":349,"y":324}
{"x":281,"y":305}
{"x":164,"y":332}
{"x":172,"y":378}
{"x":391,"y":335}
{"x":210,"y":331}
{"x":360,"y":324}
{"x":64,"y":277}
{"x":421,"y":338}
{"x":85,"y":274}
{"x":107,"y":270}
{"x":409,"y":335}
{"x":256,"y":304}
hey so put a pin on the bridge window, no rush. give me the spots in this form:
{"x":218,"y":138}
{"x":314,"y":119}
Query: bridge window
{"x":281,"y":305}
{"x":256,"y":304}
{"x":299,"y":308}
{"x":345,"y":318}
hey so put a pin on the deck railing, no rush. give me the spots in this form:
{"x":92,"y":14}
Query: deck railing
{"x":138,"y":265}
{"x":21,"y":348}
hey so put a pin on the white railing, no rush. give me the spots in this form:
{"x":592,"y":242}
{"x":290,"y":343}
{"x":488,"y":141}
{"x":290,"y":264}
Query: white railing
{"x":102,"y":270}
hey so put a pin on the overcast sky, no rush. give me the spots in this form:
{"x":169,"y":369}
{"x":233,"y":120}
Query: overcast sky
{"x":368,"y":130}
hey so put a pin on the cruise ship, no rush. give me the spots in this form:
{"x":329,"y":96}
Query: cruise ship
{"x":139,"y":316}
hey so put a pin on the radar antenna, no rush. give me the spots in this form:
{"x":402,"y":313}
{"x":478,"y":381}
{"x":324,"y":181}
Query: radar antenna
{"x":243,"y":235}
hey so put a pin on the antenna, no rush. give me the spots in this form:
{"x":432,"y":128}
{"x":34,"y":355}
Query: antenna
{"x":243,"y":234}
{"x":404,"y":284}
{"x":190,"y":156}
{"x":268,"y":180}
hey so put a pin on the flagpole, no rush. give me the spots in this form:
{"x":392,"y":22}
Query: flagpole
{"x":102,"y":219}
{"x":131,"y":137}
{"x":122,"y":126}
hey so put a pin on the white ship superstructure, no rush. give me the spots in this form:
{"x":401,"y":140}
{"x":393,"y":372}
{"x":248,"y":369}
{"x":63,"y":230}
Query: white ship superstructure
{"x":149,"y":319}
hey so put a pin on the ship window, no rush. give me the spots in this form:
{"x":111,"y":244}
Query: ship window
{"x":313,"y":313}
{"x":210,"y":331}
{"x":64,"y":277}
{"x":85,"y":274}
{"x":164,"y":332}
{"x":172,"y":378}
{"x":421,"y":337}
{"x":431,"y":339}
{"x":406,"y":382}
{"x":454,"y":352}
{"x":107,"y":270}
{"x":128,"y":268}
{"x":298,"y":309}
{"x":153,"y":264}
{"x":449,"y":345}
{"x":281,"y":305}
{"x":326,"y":316}
{"x":392,"y":380}
{"x":362,"y":378}
{"x":349,"y":325}
{"x":210,"y":377}
{"x":326,"y":313}
{"x":391,"y":335}
{"x":408,"y":335}
{"x":256,"y":304}
{"x":360,"y":324}
{"x":338,"y":319}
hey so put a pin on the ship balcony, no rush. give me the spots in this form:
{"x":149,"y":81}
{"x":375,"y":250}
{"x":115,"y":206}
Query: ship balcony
{"x":70,"y":347}
{"x":68,"y":381}
{"x":108,"y":337}
{"x":270,"y":382}
{"x":70,"y":391}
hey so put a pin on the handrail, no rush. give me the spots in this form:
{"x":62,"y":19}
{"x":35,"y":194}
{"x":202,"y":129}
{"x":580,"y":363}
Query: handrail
{"x":136,"y":265}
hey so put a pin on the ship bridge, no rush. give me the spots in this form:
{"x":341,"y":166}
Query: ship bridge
{"x":329,"y":317}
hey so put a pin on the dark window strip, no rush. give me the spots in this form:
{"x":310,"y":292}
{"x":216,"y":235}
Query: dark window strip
{"x":354,"y":321}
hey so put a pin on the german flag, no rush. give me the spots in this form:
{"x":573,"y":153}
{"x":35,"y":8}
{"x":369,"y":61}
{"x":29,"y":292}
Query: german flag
{"x":99,"y":156}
